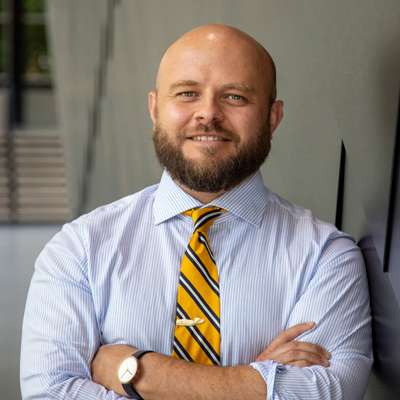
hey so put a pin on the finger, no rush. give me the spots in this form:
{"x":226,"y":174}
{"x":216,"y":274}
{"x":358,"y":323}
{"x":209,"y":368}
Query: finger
{"x":301,"y":364}
{"x":293,"y":345}
{"x":296,"y":355}
{"x":304,"y":363}
{"x":302,"y":346}
{"x":291,"y":333}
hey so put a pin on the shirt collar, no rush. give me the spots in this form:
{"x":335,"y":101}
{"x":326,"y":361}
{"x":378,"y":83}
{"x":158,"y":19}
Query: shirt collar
{"x":246,"y":200}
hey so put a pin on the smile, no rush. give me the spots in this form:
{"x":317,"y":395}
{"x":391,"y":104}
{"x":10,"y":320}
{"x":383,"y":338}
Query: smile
{"x":208,"y":139}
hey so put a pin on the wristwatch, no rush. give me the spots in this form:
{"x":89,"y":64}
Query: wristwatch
{"x":128,"y":370}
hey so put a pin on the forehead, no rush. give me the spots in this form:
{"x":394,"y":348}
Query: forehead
{"x":211,"y":61}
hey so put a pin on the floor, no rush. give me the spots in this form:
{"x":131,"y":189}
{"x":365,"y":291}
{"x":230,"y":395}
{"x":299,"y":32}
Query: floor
{"x":19,"y":247}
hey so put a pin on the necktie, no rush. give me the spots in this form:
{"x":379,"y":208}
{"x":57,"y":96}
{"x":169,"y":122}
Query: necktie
{"x":197,"y":332}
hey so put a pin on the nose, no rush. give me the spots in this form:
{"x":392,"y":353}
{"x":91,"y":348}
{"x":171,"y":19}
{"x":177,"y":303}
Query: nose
{"x":208,"y":110}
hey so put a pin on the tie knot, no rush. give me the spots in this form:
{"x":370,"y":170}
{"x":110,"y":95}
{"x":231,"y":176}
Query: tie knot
{"x":204,"y":217}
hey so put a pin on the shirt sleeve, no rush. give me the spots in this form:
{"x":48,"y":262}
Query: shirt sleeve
{"x":337,"y":299}
{"x":60,"y":334}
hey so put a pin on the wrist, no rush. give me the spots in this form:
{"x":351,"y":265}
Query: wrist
{"x":152,"y":376}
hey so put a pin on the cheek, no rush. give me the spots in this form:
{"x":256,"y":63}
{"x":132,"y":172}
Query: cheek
{"x":244,"y":123}
{"x":175,"y":116}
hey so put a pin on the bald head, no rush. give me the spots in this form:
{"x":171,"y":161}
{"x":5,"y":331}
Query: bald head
{"x":214,"y":111}
{"x":224,"y":41}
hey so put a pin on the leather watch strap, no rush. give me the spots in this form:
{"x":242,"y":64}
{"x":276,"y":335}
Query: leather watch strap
{"x":128,"y":387}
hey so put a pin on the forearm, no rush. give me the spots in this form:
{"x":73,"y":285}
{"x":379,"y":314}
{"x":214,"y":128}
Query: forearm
{"x":345,"y":379}
{"x":71,"y":388}
{"x":164,"y":377}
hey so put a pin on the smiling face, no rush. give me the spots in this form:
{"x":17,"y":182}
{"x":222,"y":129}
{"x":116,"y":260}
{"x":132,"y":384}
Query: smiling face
{"x":212,"y":111}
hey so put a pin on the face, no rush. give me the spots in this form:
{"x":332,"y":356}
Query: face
{"x":212,"y":116}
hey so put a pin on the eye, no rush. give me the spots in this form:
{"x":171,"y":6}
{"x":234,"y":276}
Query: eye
{"x":188,"y":94}
{"x":235,"y":98}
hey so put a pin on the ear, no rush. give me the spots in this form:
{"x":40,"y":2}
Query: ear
{"x":276,"y":115}
{"x":152,"y":105}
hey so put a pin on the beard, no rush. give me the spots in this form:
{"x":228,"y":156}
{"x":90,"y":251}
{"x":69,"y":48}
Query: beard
{"x":217,"y":173}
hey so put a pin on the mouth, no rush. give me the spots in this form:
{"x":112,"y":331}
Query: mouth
{"x":208,"y":138}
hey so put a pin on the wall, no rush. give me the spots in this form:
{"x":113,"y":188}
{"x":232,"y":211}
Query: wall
{"x":338,"y":73}
{"x":75,"y":31}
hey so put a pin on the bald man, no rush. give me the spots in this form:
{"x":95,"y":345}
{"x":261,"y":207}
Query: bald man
{"x":283,"y":311}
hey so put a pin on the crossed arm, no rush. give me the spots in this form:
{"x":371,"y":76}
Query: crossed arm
{"x":61,"y":336}
{"x":163,"y":377}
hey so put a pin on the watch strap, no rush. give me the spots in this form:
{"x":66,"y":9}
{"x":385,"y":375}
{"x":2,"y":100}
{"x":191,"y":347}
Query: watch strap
{"x":128,"y":387}
{"x":140,"y":353}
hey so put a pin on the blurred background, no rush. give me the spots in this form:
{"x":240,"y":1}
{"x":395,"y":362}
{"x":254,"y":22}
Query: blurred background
{"x":75,"y":132}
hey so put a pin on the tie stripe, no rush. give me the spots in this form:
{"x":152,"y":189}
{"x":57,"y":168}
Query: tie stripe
{"x":198,"y":299}
{"x":198,"y":295}
{"x":179,"y":349}
{"x":200,"y":339}
{"x":203,"y":219}
{"x":197,"y":263}
{"x":203,"y":240}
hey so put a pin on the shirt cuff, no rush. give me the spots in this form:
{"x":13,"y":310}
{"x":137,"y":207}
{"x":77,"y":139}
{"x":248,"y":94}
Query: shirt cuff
{"x":268,"y":369}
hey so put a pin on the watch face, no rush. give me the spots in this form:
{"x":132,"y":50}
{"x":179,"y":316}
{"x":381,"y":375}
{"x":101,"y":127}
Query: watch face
{"x":127,"y":369}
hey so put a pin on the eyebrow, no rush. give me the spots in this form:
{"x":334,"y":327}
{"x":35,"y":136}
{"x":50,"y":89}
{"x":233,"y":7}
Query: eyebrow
{"x":229,"y":86}
{"x":179,"y":84}
{"x":239,"y":86}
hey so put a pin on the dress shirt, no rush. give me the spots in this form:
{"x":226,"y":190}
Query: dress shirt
{"x":111,"y":276}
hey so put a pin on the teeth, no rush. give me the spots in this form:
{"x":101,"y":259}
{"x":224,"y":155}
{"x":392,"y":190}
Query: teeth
{"x":207,"y":138}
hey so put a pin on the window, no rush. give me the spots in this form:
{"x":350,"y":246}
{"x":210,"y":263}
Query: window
{"x":35,"y":58}
{"x":3,"y":38}
{"x":36,"y":65}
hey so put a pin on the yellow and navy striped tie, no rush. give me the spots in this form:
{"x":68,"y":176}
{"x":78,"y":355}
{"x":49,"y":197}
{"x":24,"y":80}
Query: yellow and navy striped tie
{"x":197,"y":333}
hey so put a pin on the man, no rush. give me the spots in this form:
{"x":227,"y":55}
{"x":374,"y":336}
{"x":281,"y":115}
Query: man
{"x":116,"y":281}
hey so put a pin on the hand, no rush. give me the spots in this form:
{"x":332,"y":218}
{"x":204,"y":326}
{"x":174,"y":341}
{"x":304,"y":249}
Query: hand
{"x":285,"y":350}
{"x":106,"y":363}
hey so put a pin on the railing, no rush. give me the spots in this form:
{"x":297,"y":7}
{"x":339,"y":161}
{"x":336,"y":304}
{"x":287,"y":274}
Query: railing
{"x":33,"y":186}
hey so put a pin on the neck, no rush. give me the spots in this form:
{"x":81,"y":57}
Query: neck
{"x":204,"y":197}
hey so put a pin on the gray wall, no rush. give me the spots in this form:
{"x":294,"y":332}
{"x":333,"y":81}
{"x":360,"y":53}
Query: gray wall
{"x":338,"y":73}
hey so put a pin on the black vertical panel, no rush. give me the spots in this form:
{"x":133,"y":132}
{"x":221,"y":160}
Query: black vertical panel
{"x":340,"y":192}
{"x":16,"y":64}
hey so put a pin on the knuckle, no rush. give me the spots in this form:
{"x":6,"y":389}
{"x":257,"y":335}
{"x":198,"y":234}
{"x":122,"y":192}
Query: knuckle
{"x":320,"y":349}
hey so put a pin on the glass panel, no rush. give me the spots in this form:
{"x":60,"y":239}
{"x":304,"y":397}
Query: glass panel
{"x":34,"y":6}
{"x":36,"y":60}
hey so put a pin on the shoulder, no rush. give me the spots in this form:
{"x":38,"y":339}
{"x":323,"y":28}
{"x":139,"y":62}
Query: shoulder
{"x":279,"y":208}
{"x":108,"y":221}
{"x":316,"y":247}
{"x":302,"y":227}
{"x":121,"y":210}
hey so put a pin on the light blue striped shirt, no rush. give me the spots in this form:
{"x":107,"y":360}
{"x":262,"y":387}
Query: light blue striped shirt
{"x":111,"y":276}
